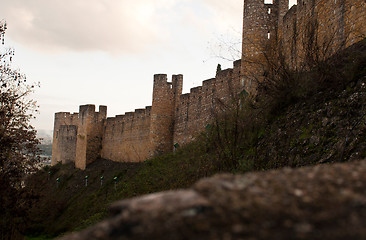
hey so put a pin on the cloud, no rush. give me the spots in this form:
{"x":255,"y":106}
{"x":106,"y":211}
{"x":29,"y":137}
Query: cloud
{"x":203,"y":19}
{"x":83,"y":25}
{"x":227,"y":13}
{"x":113,"y":26}
{"x":230,"y":10}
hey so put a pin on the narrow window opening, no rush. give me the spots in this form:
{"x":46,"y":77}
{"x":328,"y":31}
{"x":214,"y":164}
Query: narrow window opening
{"x":268,"y":35}
{"x":269,"y":10}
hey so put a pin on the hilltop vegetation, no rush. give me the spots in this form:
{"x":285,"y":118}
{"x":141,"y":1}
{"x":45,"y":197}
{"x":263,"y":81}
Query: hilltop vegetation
{"x":304,"y":123}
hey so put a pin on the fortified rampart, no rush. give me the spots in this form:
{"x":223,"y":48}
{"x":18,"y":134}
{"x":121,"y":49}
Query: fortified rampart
{"x":60,"y":138}
{"x":195,"y":109}
{"x":127,"y":137}
{"x":175,"y":118}
{"x":333,"y":24}
{"x":329,"y":25}
{"x":78,"y":137}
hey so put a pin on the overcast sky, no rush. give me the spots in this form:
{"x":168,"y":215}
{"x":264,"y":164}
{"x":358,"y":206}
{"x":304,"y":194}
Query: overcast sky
{"x":105,"y":52}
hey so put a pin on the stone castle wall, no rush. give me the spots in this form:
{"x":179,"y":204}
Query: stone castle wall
{"x":90,"y":133}
{"x":174,"y":118}
{"x":126,"y":137}
{"x":77,"y":137}
{"x":196,"y":109}
{"x":67,"y":143}
{"x":338,"y":24}
{"x":165,"y":98}
{"x":62,"y":119}
{"x":260,"y":24}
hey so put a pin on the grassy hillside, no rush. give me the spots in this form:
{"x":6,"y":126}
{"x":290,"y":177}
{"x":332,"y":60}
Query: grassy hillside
{"x":69,"y":204}
{"x":303,"y":124}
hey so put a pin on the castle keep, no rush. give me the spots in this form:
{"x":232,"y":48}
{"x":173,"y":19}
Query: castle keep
{"x":175,"y":118}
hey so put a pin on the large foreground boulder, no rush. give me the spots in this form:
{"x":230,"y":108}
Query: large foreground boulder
{"x":320,"y":202}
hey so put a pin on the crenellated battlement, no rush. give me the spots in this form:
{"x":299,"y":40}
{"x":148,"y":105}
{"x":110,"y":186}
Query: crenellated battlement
{"x":196,"y":90}
{"x":195,"y":108}
{"x":174,"y":119}
{"x":127,"y":134}
{"x":86,"y":128}
{"x":135,"y":136}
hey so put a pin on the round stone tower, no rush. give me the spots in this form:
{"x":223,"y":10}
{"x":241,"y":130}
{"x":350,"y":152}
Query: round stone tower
{"x":165,"y":97}
{"x":261,"y":22}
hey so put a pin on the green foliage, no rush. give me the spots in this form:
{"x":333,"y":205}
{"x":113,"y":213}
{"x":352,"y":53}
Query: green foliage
{"x":236,"y":128}
{"x":75,"y":206}
{"x":306,"y":132}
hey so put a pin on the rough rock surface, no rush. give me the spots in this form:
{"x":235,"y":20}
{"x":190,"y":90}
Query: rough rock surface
{"x":326,"y":128}
{"x":320,"y":202}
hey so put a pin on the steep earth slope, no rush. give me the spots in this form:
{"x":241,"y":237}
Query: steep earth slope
{"x":321,"y":202}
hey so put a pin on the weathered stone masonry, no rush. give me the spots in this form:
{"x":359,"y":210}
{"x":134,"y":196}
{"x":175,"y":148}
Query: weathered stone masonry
{"x":340,"y":23}
{"x":175,"y":118}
